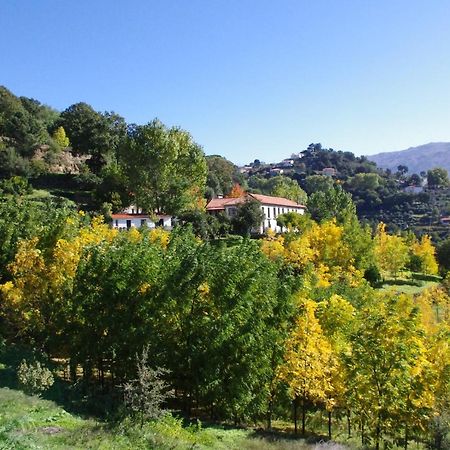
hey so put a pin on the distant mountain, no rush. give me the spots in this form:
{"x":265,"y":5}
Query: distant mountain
{"x":423,"y":157}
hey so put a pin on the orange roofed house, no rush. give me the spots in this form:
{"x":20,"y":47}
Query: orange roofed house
{"x":134,"y":217}
{"x":272,"y":207}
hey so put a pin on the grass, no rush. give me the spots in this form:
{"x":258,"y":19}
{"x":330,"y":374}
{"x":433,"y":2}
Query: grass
{"x":32,"y":423}
{"x":408,"y":288}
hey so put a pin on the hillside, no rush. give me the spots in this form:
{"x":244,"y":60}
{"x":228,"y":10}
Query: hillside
{"x":417,"y":159}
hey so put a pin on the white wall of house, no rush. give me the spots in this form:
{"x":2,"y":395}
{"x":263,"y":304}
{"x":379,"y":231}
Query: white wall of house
{"x":132,"y":209}
{"x":136,"y":222}
{"x":271,"y":212}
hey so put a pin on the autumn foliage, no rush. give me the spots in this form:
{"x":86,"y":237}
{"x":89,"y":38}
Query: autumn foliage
{"x":249,"y":330}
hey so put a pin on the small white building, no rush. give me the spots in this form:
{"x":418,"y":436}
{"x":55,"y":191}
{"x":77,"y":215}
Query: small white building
{"x":134,"y":217}
{"x":329,"y":172}
{"x":272,"y":207}
{"x":413,"y":189}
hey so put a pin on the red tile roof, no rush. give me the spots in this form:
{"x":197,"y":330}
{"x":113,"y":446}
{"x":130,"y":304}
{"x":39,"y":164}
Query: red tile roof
{"x":220,"y":203}
{"x":130,"y":216}
{"x":278,"y":201}
{"x":217,"y":204}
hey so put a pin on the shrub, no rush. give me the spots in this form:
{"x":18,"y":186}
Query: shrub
{"x":426,"y":277}
{"x":146,"y":394}
{"x":372,"y":275}
{"x":34,"y":378}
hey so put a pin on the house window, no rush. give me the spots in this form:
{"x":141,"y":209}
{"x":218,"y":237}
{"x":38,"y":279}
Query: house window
{"x":117,"y":223}
{"x":128,"y":224}
{"x":283,"y":211}
{"x":278,"y":211}
{"x":143,"y":221}
{"x":132,"y":211}
{"x":268,"y":212}
{"x":274,"y":212}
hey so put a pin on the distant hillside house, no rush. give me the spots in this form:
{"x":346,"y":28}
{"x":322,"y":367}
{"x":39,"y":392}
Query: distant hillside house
{"x":272,"y":207}
{"x":413,"y":189}
{"x":134,"y":217}
{"x":329,"y":172}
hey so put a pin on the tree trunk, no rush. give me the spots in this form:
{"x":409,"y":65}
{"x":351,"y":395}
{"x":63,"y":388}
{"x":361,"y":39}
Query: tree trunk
{"x":349,"y":427}
{"x":295,"y":403}
{"x":303,"y":415}
{"x":269,"y":414}
{"x":406,"y":437}
{"x":362,"y":431}
{"x":329,"y":425}
{"x":377,"y":437}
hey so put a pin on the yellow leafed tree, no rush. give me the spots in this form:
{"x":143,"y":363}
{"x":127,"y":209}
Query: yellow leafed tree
{"x":308,"y":361}
{"x":425,"y":251}
{"x":391,"y":253}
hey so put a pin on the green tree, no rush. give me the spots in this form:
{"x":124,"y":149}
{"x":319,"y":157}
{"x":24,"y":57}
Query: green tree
{"x":92,"y":133}
{"x":60,"y":137}
{"x":331,"y":203}
{"x":288,"y":188}
{"x":222,"y":175}
{"x":294,"y":221}
{"x":385,"y":367}
{"x":437,"y":177}
{"x":443,"y":255}
{"x":248,"y":217}
{"x":317,"y":183}
{"x":147,"y":393}
{"x":24,"y":122}
{"x":166,"y":169}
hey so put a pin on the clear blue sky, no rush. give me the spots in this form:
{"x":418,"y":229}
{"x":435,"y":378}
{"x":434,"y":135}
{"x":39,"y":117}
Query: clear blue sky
{"x":249,"y":79}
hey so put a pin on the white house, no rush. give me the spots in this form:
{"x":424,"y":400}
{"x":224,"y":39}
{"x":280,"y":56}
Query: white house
{"x":135,"y":217}
{"x":413,"y":189}
{"x":272,"y":207}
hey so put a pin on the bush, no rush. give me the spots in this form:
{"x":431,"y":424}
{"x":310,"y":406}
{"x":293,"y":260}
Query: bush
{"x":34,"y":378}
{"x":426,"y":277}
{"x":372,"y":275}
{"x":146,"y":394}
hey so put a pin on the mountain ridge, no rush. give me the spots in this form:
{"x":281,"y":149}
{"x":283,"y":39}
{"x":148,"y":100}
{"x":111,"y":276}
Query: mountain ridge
{"x":417,"y":159}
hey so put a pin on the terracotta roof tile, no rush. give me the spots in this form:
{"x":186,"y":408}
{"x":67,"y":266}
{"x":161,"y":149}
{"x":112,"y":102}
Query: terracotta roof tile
{"x":217,"y":204}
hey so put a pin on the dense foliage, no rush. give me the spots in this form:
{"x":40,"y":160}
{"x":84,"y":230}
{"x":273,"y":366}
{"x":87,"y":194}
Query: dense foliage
{"x":240,"y":329}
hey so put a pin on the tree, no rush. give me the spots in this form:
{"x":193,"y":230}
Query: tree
{"x":387,"y":368}
{"x":287,"y":188}
{"x":307,"y":368}
{"x":317,"y":183}
{"x":92,"y":133}
{"x":402,"y":170}
{"x":248,"y":216}
{"x":391,"y":253}
{"x":437,"y":177}
{"x":236,"y":191}
{"x":331,"y":203}
{"x":294,"y":221}
{"x":60,"y":137}
{"x":222,"y":175}
{"x":443,"y":255}
{"x":146,"y":394}
{"x":364,"y":182}
{"x":166,"y":169}
{"x":34,"y":378}
{"x":424,"y":252}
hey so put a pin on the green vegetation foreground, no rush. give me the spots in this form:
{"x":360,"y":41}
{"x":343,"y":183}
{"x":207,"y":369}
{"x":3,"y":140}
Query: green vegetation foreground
{"x":290,"y":327}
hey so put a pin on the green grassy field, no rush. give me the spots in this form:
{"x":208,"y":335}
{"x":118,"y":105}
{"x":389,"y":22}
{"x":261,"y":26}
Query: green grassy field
{"x":408,"y":289}
{"x":32,"y":423}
